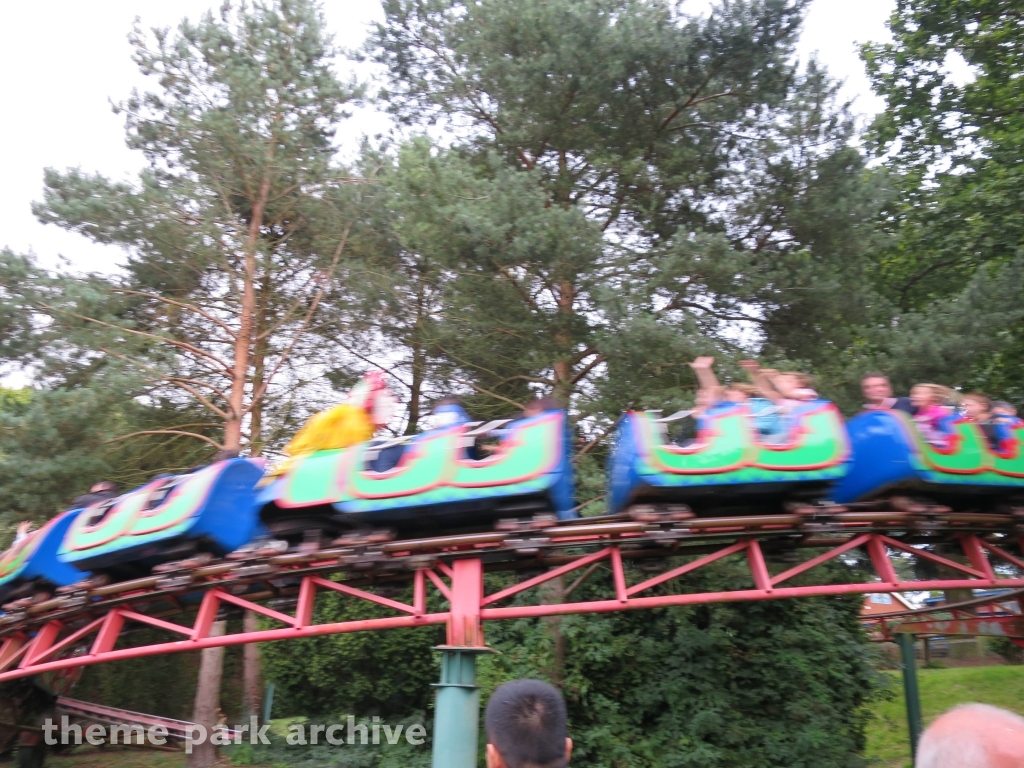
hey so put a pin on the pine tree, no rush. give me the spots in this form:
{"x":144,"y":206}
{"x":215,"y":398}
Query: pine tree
{"x":236,"y":228}
{"x":234,"y":232}
{"x":952,"y":145}
{"x":623,"y":187}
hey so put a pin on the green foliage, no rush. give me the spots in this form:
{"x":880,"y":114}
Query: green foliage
{"x":779,"y":683}
{"x":55,"y":443}
{"x":383,"y":755}
{"x":626,"y":186}
{"x":233,"y":232}
{"x":1005,"y":647}
{"x":953,"y":151}
{"x":359,"y":673}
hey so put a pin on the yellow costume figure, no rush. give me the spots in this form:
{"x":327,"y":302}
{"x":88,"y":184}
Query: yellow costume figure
{"x":369,"y":406}
{"x":337,"y":427}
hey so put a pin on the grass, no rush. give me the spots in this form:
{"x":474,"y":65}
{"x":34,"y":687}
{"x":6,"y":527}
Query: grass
{"x":941,"y":689}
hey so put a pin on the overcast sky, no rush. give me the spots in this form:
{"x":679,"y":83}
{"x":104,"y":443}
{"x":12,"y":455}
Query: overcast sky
{"x":63,"y":61}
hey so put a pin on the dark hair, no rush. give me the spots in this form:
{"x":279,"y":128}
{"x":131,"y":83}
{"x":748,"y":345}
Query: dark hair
{"x":874,"y":375}
{"x":526,"y":723}
{"x":544,"y":404}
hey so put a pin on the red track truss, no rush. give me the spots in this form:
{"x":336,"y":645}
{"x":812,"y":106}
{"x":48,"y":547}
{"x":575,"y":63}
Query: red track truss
{"x":93,"y":639}
{"x":991,"y":616}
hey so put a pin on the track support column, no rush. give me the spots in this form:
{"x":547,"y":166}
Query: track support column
{"x":910,"y":692}
{"x":457,"y":712}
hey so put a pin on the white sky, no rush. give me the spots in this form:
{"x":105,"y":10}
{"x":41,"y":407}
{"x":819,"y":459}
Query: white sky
{"x":63,"y":61}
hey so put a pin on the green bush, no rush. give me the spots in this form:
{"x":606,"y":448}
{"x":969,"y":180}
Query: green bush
{"x":1005,"y":647}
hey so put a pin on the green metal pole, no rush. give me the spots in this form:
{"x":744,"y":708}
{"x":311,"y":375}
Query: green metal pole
{"x":457,"y":713}
{"x":910,"y":691}
{"x":268,"y":702}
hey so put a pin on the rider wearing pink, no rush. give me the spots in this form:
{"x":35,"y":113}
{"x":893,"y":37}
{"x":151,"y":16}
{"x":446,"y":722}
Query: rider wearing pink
{"x":929,"y":401}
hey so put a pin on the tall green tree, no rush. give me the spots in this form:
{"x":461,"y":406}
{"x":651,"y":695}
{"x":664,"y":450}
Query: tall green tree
{"x":622,"y":187}
{"x":235,"y":229}
{"x":234,"y":232}
{"x":954,"y":139}
{"x":56,"y":442}
{"x":951,"y":134}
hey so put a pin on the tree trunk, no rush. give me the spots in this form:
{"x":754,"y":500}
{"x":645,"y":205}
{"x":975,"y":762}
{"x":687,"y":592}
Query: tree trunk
{"x":563,"y":339}
{"x":246,"y":323}
{"x":251,"y":668}
{"x":419,"y":366}
{"x":211,"y":666}
{"x":553,"y":593}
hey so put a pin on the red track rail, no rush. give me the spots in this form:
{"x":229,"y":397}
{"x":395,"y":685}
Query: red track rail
{"x":992,"y":616}
{"x":458,"y":577}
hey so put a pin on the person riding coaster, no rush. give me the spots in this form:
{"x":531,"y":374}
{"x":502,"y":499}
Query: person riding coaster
{"x":455,"y":473}
{"x":368,"y":407}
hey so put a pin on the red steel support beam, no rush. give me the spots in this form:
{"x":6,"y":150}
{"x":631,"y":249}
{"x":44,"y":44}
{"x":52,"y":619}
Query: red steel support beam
{"x":443,"y":568}
{"x":106,"y":638}
{"x":996,"y":626}
{"x":68,"y":641}
{"x":207,"y":615}
{"x":858,"y":541}
{"x":419,"y":592}
{"x":469,"y":607}
{"x":304,"y":606}
{"x":11,"y":649}
{"x":1003,"y":554}
{"x":976,"y":554}
{"x":242,"y":638}
{"x":758,"y":567}
{"x":362,"y":595}
{"x":154,"y":622}
{"x":441,"y":586}
{"x":464,"y":626}
{"x":227,"y":597}
{"x":554,"y":573}
{"x":741,"y":595}
{"x":880,"y":559}
{"x":684,"y":569}
{"x":931,"y":556}
{"x":619,"y":576}
{"x":44,"y":639}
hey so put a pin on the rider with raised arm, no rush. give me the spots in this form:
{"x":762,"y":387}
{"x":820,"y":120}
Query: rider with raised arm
{"x":25,"y":529}
{"x":764,"y":412}
{"x":785,"y":390}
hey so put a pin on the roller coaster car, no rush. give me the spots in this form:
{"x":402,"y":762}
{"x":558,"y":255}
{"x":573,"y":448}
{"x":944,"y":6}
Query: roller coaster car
{"x":729,"y":467}
{"x":209,"y":510}
{"x":32,"y":564}
{"x":891,"y":457}
{"x":429,"y":482}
